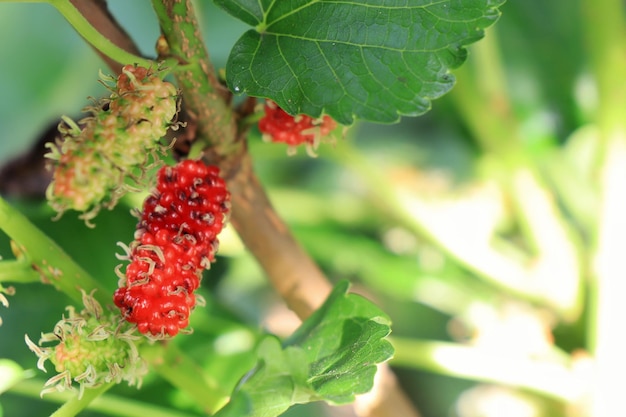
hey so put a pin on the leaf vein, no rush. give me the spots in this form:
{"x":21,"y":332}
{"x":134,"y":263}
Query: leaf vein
{"x":293,"y":73}
{"x":372,"y":73}
{"x":353,"y":44}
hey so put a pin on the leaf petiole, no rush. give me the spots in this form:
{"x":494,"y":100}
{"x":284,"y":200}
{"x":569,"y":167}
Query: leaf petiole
{"x":95,"y":38}
{"x":106,"y":404}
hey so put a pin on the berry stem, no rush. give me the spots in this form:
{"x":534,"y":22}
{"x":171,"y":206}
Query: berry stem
{"x":95,"y":38}
{"x":181,"y":371}
{"x":251,"y":120}
{"x":75,"y":405}
{"x":106,"y":404}
{"x":17,"y":271}
{"x":52,"y":264}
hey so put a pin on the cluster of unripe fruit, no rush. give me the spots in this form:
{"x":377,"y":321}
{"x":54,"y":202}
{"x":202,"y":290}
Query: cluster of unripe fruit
{"x":91,"y":164}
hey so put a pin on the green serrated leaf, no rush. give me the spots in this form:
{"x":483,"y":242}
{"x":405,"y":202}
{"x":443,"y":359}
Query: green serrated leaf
{"x":278,"y":381}
{"x":344,"y":341}
{"x":373,"y":60}
{"x":332,"y":357}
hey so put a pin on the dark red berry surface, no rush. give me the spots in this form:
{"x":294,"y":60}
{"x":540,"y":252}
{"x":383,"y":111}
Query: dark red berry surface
{"x":176,"y":238}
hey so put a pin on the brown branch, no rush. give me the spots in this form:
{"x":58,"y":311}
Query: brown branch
{"x":290,"y":270}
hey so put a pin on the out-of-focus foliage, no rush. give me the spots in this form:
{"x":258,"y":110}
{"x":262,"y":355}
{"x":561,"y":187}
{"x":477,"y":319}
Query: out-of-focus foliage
{"x":439,"y":168}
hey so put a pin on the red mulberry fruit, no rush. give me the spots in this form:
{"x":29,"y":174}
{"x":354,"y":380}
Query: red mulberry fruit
{"x":279,"y":126}
{"x":176,"y":238}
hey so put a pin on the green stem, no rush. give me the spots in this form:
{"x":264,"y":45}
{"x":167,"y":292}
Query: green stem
{"x":558,"y":266}
{"x":45,"y":257}
{"x":578,"y":193}
{"x":251,"y":120}
{"x":183,"y":373}
{"x":549,"y":378}
{"x":90,"y":34}
{"x":481,"y":97}
{"x":18,"y":271}
{"x":605,"y":33}
{"x":95,"y":38}
{"x":423,"y":220}
{"x":483,"y":102}
{"x":108,"y":404}
{"x":75,"y":404}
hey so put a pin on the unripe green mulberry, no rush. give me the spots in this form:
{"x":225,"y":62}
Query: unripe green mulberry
{"x":92,"y":348}
{"x":92,"y":164}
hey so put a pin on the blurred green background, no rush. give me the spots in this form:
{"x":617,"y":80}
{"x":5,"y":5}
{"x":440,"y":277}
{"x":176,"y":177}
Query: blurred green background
{"x":46,"y":71}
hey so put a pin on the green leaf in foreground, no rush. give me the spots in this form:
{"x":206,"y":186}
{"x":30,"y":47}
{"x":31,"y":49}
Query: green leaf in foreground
{"x":372,"y":59}
{"x":331,"y":357}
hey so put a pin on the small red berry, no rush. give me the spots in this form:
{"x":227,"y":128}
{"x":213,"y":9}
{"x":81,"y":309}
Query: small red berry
{"x":279,"y":126}
{"x":176,"y":238}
